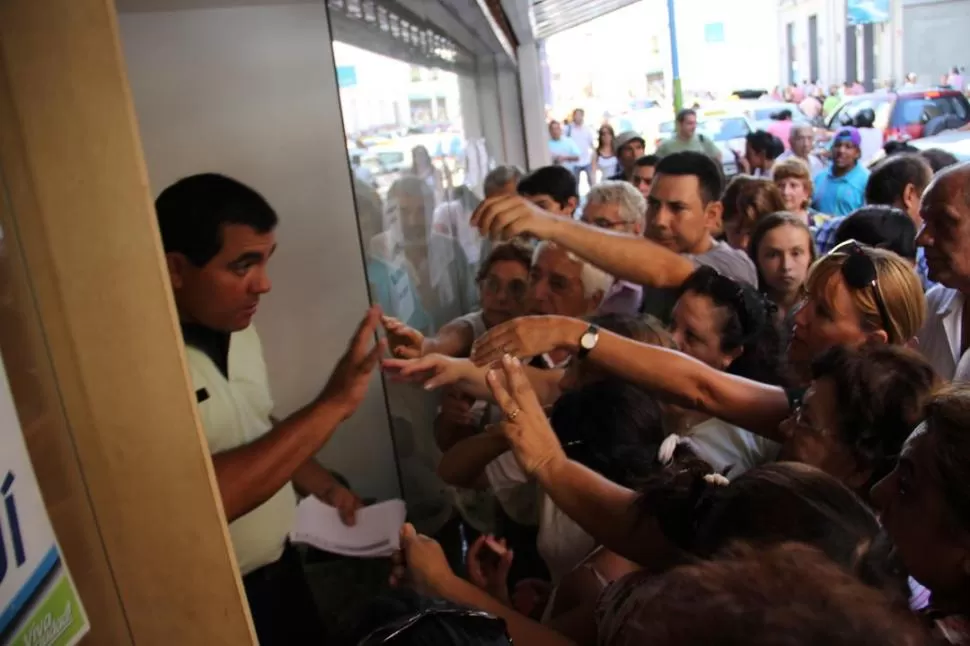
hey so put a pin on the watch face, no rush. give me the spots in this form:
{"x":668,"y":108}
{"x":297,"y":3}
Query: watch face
{"x":588,"y":342}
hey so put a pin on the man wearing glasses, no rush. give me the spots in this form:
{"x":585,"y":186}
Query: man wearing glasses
{"x":617,"y":206}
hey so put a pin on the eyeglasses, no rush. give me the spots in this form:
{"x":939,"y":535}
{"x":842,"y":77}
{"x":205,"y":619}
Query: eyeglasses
{"x":603,"y":223}
{"x":516,"y":289}
{"x":859,"y":272}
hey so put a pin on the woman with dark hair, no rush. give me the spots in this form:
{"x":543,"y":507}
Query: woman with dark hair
{"x":924,"y":505}
{"x":605,"y":160}
{"x":782,"y":248}
{"x":424,"y":169}
{"x":885,"y":227}
{"x":746,"y":200}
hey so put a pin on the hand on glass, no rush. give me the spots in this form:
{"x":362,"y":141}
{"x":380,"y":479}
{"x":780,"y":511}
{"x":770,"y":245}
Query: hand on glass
{"x":405,"y":341}
{"x":505,"y":217}
{"x":420,"y":562}
{"x":349,"y":380}
{"x":526,"y":426}
{"x":489,"y":562}
{"x":431,"y":371}
{"x":528,"y":336}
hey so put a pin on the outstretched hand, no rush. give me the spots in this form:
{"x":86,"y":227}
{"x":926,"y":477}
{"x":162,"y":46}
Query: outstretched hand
{"x":349,"y":380}
{"x":526,"y":426}
{"x":527,"y":336}
{"x":489,"y":562}
{"x":507,"y":216}
{"x":431,"y":371}
{"x":420,"y":562}
{"x":405,"y":341}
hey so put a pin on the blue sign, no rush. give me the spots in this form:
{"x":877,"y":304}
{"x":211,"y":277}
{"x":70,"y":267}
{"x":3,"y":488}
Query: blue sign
{"x":346,"y":76}
{"x":864,"y":12}
{"x":714,"y":32}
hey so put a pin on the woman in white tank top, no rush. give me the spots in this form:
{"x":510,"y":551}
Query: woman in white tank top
{"x":605,"y":159}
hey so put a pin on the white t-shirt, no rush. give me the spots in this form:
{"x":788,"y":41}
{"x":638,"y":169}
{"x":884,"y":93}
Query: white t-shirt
{"x":941,"y":337}
{"x":585,"y":139}
{"x":562,"y":543}
{"x":731,"y":450}
{"x":235,"y":413}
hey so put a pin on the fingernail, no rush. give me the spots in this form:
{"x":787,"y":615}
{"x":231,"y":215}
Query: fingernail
{"x":507,"y":358}
{"x":516,"y":362}
{"x":490,"y":374}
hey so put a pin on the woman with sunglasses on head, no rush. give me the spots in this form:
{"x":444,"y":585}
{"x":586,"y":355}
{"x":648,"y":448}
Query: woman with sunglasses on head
{"x":605,"y":160}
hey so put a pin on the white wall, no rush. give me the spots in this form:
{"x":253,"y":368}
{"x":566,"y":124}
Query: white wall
{"x":251,"y":92}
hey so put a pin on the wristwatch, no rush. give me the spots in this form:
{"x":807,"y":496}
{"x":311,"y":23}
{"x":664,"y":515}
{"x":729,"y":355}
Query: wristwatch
{"x":588,"y":341}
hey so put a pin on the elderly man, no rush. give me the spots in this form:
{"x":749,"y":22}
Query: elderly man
{"x":801,"y":141}
{"x":945,"y":236}
{"x":502,"y":180}
{"x":618,"y":206}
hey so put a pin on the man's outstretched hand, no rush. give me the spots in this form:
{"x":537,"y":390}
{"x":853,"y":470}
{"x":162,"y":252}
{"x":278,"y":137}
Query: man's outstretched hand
{"x":351,"y":376}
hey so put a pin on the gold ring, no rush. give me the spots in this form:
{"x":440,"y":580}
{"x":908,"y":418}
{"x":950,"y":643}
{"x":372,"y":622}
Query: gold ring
{"x":514,"y":414}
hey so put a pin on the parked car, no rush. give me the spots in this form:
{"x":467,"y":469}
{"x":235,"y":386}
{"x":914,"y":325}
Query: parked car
{"x":904,"y":115}
{"x":762,"y":113}
{"x":955,"y":142}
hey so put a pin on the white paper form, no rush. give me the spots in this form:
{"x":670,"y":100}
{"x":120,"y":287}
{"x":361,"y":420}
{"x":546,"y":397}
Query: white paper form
{"x":376,"y":534}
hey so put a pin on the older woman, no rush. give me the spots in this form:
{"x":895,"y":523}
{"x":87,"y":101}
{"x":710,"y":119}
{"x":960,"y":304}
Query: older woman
{"x":794,"y":180}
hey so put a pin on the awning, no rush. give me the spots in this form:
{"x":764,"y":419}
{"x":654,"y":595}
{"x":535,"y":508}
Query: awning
{"x":553,"y":16}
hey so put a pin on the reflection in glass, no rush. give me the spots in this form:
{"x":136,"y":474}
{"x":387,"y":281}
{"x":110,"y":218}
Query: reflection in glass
{"x":417,"y":181}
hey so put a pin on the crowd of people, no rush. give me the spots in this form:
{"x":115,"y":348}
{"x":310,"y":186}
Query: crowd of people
{"x":679,"y":397}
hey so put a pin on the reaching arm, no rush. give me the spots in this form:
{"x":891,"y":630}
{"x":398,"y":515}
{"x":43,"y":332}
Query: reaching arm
{"x":626,"y":257}
{"x":453,"y":340}
{"x":751,"y":405}
{"x":250,"y":475}
{"x":463,"y":465}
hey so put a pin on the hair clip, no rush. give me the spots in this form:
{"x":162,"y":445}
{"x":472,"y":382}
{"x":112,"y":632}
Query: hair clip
{"x":665,"y":454}
{"x":716,"y":479}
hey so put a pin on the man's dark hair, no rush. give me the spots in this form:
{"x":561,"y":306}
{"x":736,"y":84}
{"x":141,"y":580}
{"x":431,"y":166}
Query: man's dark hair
{"x":939,"y":159}
{"x":880,"y":226}
{"x":193,"y":211}
{"x":891,"y":176}
{"x":647,"y":161}
{"x":706,"y":170}
{"x":765,"y":142}
{"x":686,"y":112}
{"x":896,"y":147}
{"x":554,"y":181}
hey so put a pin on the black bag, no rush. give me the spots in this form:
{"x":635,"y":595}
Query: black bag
{"x":402,"y":617}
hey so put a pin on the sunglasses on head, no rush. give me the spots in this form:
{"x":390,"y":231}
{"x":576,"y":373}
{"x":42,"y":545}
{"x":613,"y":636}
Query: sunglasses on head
{"x":725,"y":290}
{"x":859,"y":272}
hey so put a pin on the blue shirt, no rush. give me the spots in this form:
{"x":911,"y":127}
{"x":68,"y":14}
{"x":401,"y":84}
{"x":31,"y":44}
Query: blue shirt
{"x":564,"y":147}
{"x":840,"y":196}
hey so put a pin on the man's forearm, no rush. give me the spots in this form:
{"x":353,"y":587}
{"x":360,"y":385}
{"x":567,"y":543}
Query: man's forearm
{"x":625,"y":257}
{"x":250,"y":475}
{"x":313,"y":479}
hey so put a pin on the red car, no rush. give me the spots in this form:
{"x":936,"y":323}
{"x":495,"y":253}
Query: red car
{"x":905,"y":114}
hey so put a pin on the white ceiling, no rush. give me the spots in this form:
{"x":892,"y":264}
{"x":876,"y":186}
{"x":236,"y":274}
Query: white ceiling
{"x":553,"y":16}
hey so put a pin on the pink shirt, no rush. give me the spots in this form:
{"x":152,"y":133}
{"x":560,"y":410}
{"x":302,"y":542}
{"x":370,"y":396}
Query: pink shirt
{"x":782,"y":130}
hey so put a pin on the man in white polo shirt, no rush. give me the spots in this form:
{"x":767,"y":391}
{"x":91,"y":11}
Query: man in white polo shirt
{"x":218,"y":236}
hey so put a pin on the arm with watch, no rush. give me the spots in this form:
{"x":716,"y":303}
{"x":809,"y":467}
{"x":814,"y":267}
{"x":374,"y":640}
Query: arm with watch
{"x":677,"y":377}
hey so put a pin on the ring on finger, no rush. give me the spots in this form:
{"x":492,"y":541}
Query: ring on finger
{"x":512,"y":415}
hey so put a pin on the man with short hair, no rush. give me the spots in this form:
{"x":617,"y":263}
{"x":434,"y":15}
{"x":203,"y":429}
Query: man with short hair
{"x":552,"y":188}
{"x":945,"y":237}
{"x":761,"y":149}
{"x":643,"y":171}
{"x":218,"y":236}
{"x":840,"y":189}
{"x":563,"y":150}
{"x":687,"y":139}
{"x":618,"y":206}
{"x":682,"y":209}
{"x":585,"y":140}
{"x":629,"y":148}
{"x":801,"y":141}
